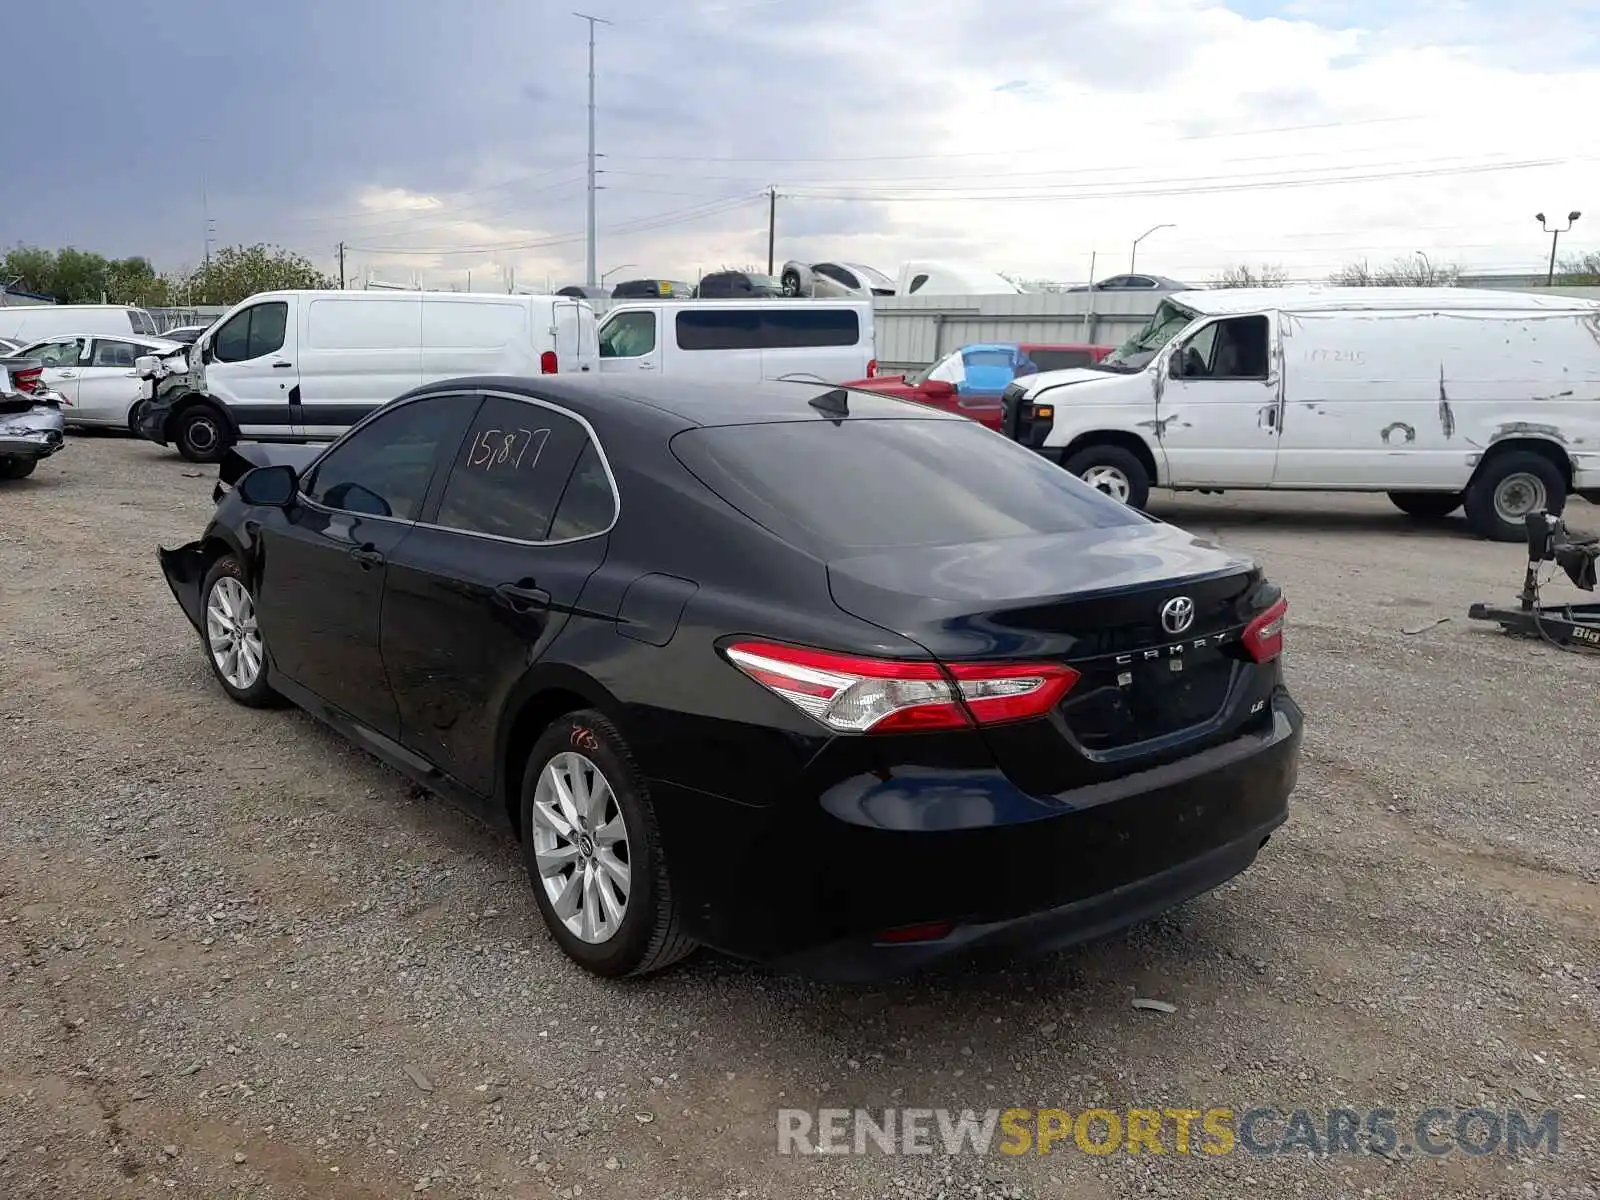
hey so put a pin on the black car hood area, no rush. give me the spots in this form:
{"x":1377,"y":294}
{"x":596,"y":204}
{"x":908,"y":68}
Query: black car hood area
{"x":1026,"y":595}
{"x":249,"y":455}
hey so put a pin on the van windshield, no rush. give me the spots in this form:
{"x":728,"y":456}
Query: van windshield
{"x":1135,"y":353}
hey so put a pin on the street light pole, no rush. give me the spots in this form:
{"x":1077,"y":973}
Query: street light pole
{"x":1555,"y":235}
{"x":614,"y":270}
{"x":590,"y":279}
{"x":1133,"y":255}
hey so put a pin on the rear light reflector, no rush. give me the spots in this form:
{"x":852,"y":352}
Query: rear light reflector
{"x":872,"y":369}
{"x":851,"y":694}
{"x":1263,"y":637}
{"x":928,"y":931}
{"x":549,"y":364}
{"x":30,"y":380}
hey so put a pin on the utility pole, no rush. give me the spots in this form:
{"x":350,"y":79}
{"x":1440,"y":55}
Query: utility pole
{"x":341,"y":266}
{"x":593,"y":21}
{"x":1555,"y":234}
{"x":772,"y":225}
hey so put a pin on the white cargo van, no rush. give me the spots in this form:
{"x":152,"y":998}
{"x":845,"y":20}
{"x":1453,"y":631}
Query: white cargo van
{"x":305,"y":366}
{"x":26,"y":323}
{"x":1441,"y":397}
{"x":740,"y":340}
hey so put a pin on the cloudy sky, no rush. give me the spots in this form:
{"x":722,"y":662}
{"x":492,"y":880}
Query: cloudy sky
{"x":441,"y":137}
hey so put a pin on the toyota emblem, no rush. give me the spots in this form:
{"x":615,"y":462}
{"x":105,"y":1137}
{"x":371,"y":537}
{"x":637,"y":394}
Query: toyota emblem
{"x":1177,"y":614}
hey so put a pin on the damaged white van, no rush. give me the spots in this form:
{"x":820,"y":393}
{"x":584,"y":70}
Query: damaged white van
{"x":1440,"y":397}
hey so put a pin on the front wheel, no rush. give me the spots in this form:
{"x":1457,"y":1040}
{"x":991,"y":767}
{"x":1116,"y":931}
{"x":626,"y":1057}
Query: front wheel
{"x":1113,"y":470}
{"x":201,"y":434}
{"x":232,"y":636}
{"x":1428,"y":505}
{"x":1507,"y":489}
{"x":594,"y":853}
{"x":791,"y":283}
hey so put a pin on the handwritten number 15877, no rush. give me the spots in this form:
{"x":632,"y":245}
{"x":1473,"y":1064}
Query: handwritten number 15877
{"x":498,"y":447}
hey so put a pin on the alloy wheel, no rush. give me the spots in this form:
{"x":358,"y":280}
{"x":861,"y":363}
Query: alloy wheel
{"x":232,"y":634}
{"x":580,"y":847}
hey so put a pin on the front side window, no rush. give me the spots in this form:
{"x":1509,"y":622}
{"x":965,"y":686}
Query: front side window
{"x":249,"y":334}
{"x":1234,"y":349}
{"x":383,"y":469}
{"x":62,"y":352}
{"x":509,"y":474}
{"x":629,"y":335}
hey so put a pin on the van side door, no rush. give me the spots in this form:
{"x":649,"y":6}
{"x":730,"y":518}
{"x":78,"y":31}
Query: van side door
{"x":250,"y":366}
{"x":357,"y":353}
{"x":630,"y":341}
{"x":1217,"y":411}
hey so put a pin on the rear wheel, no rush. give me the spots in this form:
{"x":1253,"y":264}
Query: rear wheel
{"x":791,"y":283}
{"x":1426,"y":504}
{"x":201,"y":434}
{"x":594,"y":853}
{"x":1113,"y":470}
{"x":17,"y":468}
{"x":1509,"y":487}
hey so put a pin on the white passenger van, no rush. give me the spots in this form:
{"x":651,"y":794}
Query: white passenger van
{"x":26,"y":323}
{"x":1441,"y":397}
{"x":306,"y":365}
{"x":740,"y":340}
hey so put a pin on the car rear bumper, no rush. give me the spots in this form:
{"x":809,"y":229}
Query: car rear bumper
{"x":33,"y":433}
{"x":809,"y":892}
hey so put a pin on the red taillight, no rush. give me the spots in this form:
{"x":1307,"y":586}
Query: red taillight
{"x":928,"y":931}
{"x":872,"y":369}
{"x":549,"y":364}
{"x":850,"y":694}
{"x":30,"y":380}
{"x":1263,"y":637}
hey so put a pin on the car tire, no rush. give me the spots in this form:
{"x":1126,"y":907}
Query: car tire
{"x":231,"y":626}
{"x":644,"y":937}
{"x":17,"y":468}
{"x":791,"y":283}
{"x":134,"y":414}
{"x":1507,"y":488}
{"x":201,"y":434}
{"x":1113,"y":470}
{"x":1427,"y":505}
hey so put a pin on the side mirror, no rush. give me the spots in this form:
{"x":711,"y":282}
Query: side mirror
{"x":271,"y":487}
{"x":939,"y":387}
{"x":147,"y":365}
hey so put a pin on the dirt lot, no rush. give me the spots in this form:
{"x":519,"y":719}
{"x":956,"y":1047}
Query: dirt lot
{"x":240,"y":957}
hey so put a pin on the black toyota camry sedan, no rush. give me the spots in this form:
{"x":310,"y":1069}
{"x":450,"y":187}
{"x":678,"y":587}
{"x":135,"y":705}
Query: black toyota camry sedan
{"x":819,"y":678}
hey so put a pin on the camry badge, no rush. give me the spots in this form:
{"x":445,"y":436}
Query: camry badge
{"x":1177,"y":614}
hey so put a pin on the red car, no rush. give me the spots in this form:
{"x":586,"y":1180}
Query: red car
{"x":969,"y":381}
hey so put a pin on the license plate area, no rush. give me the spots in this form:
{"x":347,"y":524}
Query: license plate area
{"x":1114,"y":705}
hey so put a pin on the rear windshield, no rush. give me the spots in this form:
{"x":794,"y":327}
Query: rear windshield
{"x":838,"y":489}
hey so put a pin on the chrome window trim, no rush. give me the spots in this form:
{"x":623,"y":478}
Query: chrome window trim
{"x":605,"y":464}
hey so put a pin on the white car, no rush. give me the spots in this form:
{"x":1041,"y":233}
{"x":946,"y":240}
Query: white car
{"x":829,"y":280}
{"x":95,"y":376}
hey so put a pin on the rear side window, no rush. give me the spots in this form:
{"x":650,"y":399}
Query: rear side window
{"x":782,"y":328}
{"x":511,"y":471}
{"x":819,"y":484}
{"x":1061,"y":360}
{"x":726,"y":329}
{"x":588,"y":505}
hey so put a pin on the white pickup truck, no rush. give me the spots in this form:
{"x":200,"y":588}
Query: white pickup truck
{"x":1440,"y":397}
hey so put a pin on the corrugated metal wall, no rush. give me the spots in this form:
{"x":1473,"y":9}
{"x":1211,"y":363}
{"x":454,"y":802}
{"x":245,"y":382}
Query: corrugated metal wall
{"x":916,"y":331}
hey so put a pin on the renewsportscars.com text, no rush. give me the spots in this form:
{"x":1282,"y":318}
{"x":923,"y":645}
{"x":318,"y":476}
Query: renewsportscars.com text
{"x":1212,"y":1131}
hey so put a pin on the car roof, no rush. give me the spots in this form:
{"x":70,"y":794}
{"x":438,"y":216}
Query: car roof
{"x":1219,"y":301}
{"x":687,"y":403}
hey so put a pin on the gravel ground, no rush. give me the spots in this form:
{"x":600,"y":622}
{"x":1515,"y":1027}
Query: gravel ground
{"x":240,"y":957}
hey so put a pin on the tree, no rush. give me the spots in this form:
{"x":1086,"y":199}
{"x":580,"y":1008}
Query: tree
{"x":72,"y":276}
{"x":1415,"y":271}
{"x":236,"y":272}
{"x":1580,"y":270}
{"x":1246,"y":276}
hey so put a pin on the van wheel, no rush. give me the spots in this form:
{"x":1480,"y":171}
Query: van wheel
{"x":1507,"y":488}
{"x":1112,"y":470}
{"x":1428,"y":505}
{"x":201,"y":434}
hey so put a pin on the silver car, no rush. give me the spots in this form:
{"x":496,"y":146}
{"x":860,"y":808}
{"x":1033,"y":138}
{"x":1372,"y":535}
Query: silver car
{"x":32,"y":425}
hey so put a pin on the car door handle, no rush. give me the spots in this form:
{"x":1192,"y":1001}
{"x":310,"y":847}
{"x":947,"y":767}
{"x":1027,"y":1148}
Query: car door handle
{"x":523,"y":596}
{"x":647,"y":366}
{"x":368,"y":557}
{"x":67,"y":375}
{"x":1269,"y":417}
{"x":278,"y":366}
{"x":130,"y":374}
